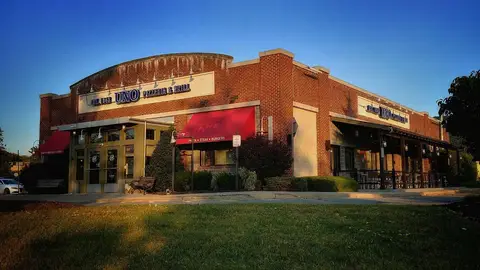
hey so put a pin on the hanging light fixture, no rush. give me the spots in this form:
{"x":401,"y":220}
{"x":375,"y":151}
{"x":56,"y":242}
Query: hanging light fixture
{"x":423,"y":151}
{"x":406,"y":147}
{"x":384,"y":143}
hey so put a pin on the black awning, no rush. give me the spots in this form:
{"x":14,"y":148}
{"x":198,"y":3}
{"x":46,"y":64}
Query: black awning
{"x":389,"y":130}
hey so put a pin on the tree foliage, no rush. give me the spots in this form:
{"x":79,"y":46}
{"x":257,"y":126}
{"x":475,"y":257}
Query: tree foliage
{"x":160,"y":166}
{"x":461,"y":111}
{"x":266,"y":158}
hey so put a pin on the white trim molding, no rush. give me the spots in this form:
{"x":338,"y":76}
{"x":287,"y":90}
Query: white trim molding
{"x":305,"y":107}
{"x":276,"y":51}
{"x":244,"y":63}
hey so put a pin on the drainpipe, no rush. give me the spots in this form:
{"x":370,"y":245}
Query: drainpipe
{"x":144,"y":146}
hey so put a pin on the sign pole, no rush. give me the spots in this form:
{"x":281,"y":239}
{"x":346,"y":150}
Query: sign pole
{"x":236,"y":168}
{"x":236,"y":141}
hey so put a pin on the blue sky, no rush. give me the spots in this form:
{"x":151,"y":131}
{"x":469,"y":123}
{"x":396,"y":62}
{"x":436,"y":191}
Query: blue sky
{"x":408,"y":51}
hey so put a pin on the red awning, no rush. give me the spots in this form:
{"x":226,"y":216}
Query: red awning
{"x":56,"y":144}
{"x":219,"y":126}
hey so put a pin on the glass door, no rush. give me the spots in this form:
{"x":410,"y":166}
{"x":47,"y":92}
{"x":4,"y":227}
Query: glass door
{"x":112,"y":166}
{"x":94,"y":168}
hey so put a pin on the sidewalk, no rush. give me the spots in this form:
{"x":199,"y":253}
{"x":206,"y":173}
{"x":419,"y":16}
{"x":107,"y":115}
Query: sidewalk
{"x":417,"y":196}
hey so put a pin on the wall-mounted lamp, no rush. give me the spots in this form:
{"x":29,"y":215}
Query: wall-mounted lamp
{"x":384,"y":143}
{"x":99,"y":133}
{"x":91,"y":89}
{"x":438,"y":153}
{"x":423,"y":151}
{"x":172,"y":77}
{"x":123,"y":127}
{"x":74,"y":132}
{"x":191,"y":74}
{"x":82,"y":137}
{"x":406,"y":147}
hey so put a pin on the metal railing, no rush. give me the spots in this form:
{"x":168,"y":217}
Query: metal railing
{"x":370,"y":179}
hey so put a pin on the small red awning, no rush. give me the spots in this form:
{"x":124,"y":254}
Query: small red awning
{"x":219,"y":126}
{"x":56,"y":144}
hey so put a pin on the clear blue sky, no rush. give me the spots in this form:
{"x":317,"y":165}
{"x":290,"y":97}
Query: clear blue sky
{"x":408,"y":51}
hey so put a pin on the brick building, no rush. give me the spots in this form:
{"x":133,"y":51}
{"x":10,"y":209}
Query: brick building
{"x":338,"y":128}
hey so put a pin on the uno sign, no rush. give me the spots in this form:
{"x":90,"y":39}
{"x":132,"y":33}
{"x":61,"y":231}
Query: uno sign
{"x":129,"y":96}
{"x":386,"y":114}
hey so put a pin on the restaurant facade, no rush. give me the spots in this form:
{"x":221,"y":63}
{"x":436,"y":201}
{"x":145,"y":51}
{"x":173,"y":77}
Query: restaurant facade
{"x":109,"y":123}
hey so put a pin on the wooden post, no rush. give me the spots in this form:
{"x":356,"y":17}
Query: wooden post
{"x":458,"y":162}
{"x":382,"y":160}
{"x":435,"y":160}
{"x":420,"y":156}
{"x":404,"y":161}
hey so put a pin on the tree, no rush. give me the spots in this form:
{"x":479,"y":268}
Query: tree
{"x":2,"y":146}
{"x":461,"y":111}
{"x":266,"y":158}
{"x":160,"y":166}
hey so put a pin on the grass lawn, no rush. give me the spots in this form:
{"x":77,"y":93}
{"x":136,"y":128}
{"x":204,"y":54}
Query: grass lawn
{"x":248,"y":236}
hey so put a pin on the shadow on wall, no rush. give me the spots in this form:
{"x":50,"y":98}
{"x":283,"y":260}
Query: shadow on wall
{"x":349,"y":110}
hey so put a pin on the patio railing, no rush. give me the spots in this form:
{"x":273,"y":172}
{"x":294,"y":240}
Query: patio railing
{"x":370,"y":179}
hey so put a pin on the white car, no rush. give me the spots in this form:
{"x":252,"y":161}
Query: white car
{"x":8,"y":186}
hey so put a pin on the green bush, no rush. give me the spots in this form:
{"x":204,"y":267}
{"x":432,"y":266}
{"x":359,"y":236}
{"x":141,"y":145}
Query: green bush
{"x":248,"y":178}
{"x":468,"y":169}
{"x":202,"y":180}
{"x":182,"y":181}
{"x":223,"y":181}
{"x":313,"y":183}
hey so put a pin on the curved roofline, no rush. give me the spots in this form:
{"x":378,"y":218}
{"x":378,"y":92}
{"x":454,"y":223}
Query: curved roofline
{"x":153,"y":56}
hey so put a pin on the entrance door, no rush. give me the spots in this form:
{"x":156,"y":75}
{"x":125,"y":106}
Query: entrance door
{"x":112,"y":171}
{"x":94,"y":171}
{"x":80,"y":170}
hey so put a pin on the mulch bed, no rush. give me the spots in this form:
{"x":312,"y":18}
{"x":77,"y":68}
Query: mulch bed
{"x":469,"y":207}
{"x":15,"y":206}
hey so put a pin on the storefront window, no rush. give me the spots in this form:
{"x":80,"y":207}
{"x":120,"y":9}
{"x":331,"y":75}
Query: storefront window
{"x":150,"y":134}
{"x":130,"y":134}
{"x":113,"y":135}
{"x":349,"y":158}
{"x":94,"y":168}
{"x":129,"y":167}
{"x":217,"y":157}
{"x":112,"y":156}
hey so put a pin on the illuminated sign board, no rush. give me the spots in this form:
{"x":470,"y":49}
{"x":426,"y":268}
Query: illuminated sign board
{"x":386,"y":113}
{"x":129,"y":96}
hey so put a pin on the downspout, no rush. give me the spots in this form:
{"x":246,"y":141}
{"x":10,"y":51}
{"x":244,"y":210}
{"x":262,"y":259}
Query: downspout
{"x":144,"y":146}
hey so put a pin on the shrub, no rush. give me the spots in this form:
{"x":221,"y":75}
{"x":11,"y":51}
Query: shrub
{"x":160,"y":166}
{"x":468,"y":169}
{"x":202,"y":180}
{"x":182,"y":181}
{"x":248,"y":178}
{"x":266,"y":158}
{"x":313,"y":183}
{"x":223,"y":181}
